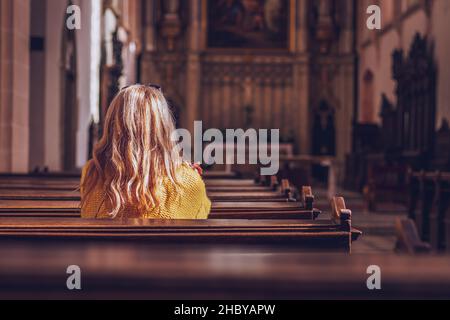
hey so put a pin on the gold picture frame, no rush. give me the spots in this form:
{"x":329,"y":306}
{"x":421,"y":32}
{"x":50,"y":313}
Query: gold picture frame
{"x":291,"y":37}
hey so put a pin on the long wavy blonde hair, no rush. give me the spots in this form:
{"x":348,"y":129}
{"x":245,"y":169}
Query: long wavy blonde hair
{"x":135,"y":152}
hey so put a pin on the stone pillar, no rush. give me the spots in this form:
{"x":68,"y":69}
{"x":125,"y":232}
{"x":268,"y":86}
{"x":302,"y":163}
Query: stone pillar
{"x":14,"y":85}
{"x":344,"y":116}
{"x":301,"y":79}
{"x":346,"y":45}
{"x":193,"y":67}
{"x":345,"y":87}
{"x":302,"y":104}
{"x":149,"y":74}
{"x":149,"y":26}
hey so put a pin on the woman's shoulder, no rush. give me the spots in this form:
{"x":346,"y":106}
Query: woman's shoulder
{"x":196,"y":204}
{"x":189,"y":176}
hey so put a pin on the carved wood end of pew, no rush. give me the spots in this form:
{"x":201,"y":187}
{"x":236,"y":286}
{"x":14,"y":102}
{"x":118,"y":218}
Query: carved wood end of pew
{"x":343,"y":217}
{"x":307,"y":198}
{"x":286,"y":190}
{"x":340,"y":214}
{"x":274,"y":183}
{"x":285,"y":187}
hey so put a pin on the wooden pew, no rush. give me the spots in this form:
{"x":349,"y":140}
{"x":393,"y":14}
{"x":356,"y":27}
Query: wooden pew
{"x":222,"y":186}
{"x":220,"y":210}
{"x":251,"y":205}
{"x":65,"y":187}
{"x":429,"y":207}
{"x":37,"y":182}
{"x":50,"y":195}
{"x":71,"y":181}
{"x":137,"y":271}
{"x":27,"y":192}
{"x":334,"y":234}
{"x":76,"y":175}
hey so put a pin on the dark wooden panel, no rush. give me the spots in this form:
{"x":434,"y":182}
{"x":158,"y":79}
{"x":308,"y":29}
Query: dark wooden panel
{"x":313,"y":234}
{"x":50,"y":195}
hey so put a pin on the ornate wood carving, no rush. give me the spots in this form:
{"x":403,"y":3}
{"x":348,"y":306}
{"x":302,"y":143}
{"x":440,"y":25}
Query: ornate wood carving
{"x":441,"y":159}
{"x":415,"y":75}
{"x":248,"y":91}
{"x":110,"y":75}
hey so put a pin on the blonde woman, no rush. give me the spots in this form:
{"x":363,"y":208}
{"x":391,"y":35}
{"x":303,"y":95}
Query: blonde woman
{"x":136,"y":170}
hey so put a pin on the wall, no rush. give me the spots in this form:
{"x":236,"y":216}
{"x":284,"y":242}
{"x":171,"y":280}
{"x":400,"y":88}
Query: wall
{"x":52,"y":125}
{"x":85,"y":81}
{"x":37,"y":84}
{"x":56,"y":12}
{"x":441,"y":35}
{"x":14,"y":85}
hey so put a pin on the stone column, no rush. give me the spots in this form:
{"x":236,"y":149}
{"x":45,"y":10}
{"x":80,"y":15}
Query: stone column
{"x":301,"y":79}
{"x":14,"y":85}
{"x":344,"y":116}
{"x":345,"y":88}
{"x":346,"y":37}
{"x":149,"y":74}
{"x":193,"y":67}
{"x":149,"y":26}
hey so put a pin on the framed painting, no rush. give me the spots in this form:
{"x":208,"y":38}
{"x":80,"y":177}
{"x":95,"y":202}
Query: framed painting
{"x":249,"y":24}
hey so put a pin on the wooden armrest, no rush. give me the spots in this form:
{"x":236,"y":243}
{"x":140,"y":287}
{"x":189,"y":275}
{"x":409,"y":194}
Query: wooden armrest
{"x":307,"y":198}
{"x":340,"y":214}
{"x":287,"y":191}
{"x":274,"y":182}
{"x":285,"y":187}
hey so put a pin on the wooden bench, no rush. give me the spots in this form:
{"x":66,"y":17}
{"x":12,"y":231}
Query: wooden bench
{"x":429,"y":207}
{"x":8,"y":186}
{"x":275,"y":202}
{"x":70,"y":182}
{"x":336,"y":233}
{"x":50,"y":195}
{"x":77,"y":175}
{"x":74,"y":195}
{"x":222,"y":210}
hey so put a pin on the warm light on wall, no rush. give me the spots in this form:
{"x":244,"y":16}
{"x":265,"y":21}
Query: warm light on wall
{"x":95,"y":59}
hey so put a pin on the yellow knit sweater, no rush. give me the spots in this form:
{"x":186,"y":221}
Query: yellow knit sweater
{"x":190,"y":202}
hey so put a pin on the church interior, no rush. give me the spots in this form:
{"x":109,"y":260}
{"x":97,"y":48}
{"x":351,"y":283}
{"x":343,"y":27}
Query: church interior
{"x":364,"y":147}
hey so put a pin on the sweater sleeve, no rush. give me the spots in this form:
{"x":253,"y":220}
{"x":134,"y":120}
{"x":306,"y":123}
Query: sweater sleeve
{"x":196,"y":198}
{"x":83,"y":175}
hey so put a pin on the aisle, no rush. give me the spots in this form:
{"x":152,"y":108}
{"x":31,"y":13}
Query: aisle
{"x":378,"y":227}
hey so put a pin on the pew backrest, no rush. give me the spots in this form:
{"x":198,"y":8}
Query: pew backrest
{"x":291,"y":233}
